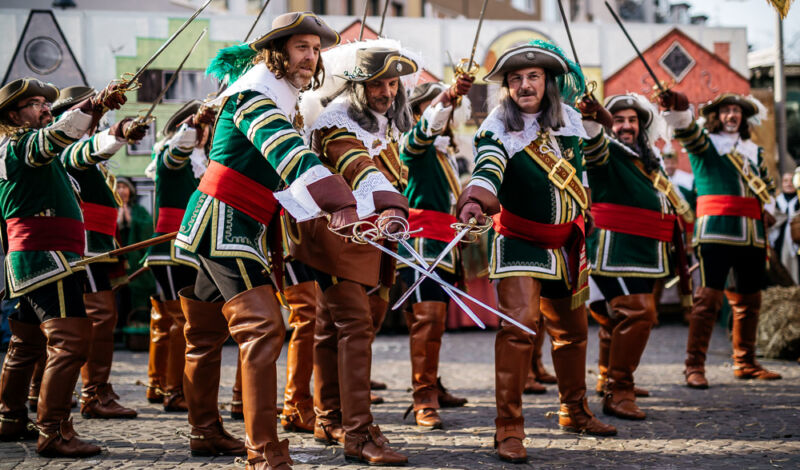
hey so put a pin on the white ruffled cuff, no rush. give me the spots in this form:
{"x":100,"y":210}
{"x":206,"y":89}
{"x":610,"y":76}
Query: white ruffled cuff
{"x":678,"y":119}
{"x":592,"y":128}
{"x":184,"y":139}
{"x":297,"y":200}
{"x":437,"y":117}
{"x":375,"y":181}
{"x":74,"y":123}
{"x":107,"y":144}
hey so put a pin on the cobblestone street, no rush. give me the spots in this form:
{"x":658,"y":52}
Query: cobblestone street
{"x":734,"y":424}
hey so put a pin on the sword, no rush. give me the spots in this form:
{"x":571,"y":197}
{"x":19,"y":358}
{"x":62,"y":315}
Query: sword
{"x":253,"y":26}
{"x":639,"y":54}
{"x":436,"y":278}
{"x":674,"y":280}
{"x":127,"y":249}
{"x":363,"y":21}
{"x":468,"y":70}
{"x":468,"y":228}
{"x":129,"y":83}
{"x":143,"y":121}
{"x":383,"y":16}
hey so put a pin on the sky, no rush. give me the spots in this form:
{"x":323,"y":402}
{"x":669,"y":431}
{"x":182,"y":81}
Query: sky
{"x":759,"y":18}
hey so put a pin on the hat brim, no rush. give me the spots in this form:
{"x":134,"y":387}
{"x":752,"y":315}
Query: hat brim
{"x":306,"y":23}
{"x":523,"y":57}
{"x":748,"y":107}
{"x":426,"y":92}
{"x":620,"y":102}
{"x":395,"y":66}
{"x":62,"y":105}
{"x":25,"y":88}
{"x":180,"y":115}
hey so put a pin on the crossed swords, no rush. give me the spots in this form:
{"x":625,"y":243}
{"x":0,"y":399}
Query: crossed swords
{"x":364,"y":232}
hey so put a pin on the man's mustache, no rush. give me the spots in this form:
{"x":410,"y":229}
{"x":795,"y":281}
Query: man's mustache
{"x":526,"y":92}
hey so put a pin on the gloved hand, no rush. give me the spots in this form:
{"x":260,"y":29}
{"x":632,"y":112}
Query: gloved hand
{"x":471,"y":210}
{"x":672,"y":100}
{"x":592,"y":110}
{"x":204,"y":116}
{"x":462,"y":85}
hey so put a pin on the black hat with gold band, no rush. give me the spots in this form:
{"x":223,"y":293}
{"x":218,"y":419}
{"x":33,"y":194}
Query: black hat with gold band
{"x":426,"y":92}
{"x":297,"y":22}
{"x":373,"y":63}
{"x":524,"y":56}
{"x":23,"y":88}
{"x":749,"y":108}
{"x":69,"y":96}
{"x":616,"y":103}
{"x":180,"y":115}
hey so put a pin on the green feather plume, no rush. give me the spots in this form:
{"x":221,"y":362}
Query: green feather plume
{"x":571,"y":84}
{"x":231,"y":63}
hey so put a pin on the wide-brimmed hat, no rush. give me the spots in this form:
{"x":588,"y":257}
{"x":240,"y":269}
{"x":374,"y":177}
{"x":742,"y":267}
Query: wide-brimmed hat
{"x":749,"y":108}
{"x":616,"y":103}
{"x":527,"y":55}
{"x":24,"y":88}
{"x":180,"y":115}
{"x":373,"y":63}
{"x":426,"y":92}
{"x":297,"y":22}
{"x":69,"y":96}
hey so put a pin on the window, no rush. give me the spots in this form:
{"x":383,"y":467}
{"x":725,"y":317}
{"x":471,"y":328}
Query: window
{"x":524,"y":5}
{"x":397,"y":9}
{"x":190,"y":85}
{"x":350,"y":10}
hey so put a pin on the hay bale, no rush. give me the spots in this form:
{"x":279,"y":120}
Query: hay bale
{"x":779,"y":323}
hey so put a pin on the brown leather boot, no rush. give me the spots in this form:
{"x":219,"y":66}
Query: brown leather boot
{"x":68,"y":344}
{"x":532,"y":386}
{"x":36,"y":383}
{"x":599,"y":312}
{"x":568,"y":329}
{"x":98,"y":399}
{"x":378,"y":307}
{"x":372,"y":448}
{"x":298,"y":404}
{"x":446,"y":399}
{"x":173,"y":399}
{"x":350,"y":310}
{"x":425,"y":329}
{"x":540,"y":374}
{"x":237,"y":404}
{"x":276,"y":457}
{"x":508,"y":440}
{"x":707,"y":303}
{"x":745,"y":310}
{"x":634,"y":318}
{"x":160,"y":322}
{"x":518,"y":297}
{"x":25,"y":349}
{"x":255,"y":322}
{"x":206,"y":331}
{"x":328,"y":422}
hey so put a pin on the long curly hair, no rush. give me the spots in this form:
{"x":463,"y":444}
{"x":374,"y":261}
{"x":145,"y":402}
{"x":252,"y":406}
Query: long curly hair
{"x":714,"y":125}
{"x":276,"y":57}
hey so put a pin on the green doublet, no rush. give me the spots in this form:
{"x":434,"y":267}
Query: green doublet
{"x":432,"y":185}
{"x":82,"y":160}
{"x":714,"y":174}
{"x":524,"y":188}
{"x":174,"y":185}
{"x":615,"y":178}
{"x":254,"y":137}
{"x":33,"y":182}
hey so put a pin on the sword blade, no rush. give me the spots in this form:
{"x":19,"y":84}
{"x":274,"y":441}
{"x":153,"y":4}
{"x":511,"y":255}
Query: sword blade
{"x":433,"y":265}
{"x":639,"y":54}
{"x":445,"y":286}
{"x":253,"y":26}
{"x":363,"y":21}
{"x":477,"y":35}
{"x":383,"y":16}
{"x":173,"y":78}
{"x":166,"y":43}
{"x":569,"y":33}
{"x":127,"y":249}
{"x":437,"y":279}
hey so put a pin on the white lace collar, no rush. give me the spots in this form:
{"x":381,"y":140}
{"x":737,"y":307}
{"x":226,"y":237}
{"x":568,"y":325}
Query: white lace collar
{"x":259,"y":78}
{"x":515,"y":141}
{"x":335,"y":115}
{"x":724,"y":143}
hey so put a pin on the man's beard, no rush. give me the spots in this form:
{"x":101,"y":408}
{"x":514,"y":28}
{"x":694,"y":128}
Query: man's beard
{"x":730,"y":127}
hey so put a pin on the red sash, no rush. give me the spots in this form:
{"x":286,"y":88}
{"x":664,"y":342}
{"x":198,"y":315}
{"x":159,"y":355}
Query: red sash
{"x":571,"y":236}
{"x":738,"y":206}
{"x":239,"y":191}
{"x":46,"y":234}
{"x":634,"y":221}
{"x":435,"y":225}
{"x":169,"y":219}
{"x":99,"y":218}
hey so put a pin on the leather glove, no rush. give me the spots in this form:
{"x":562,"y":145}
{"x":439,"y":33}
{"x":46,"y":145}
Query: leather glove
{"x":476,"y":202}
{"x":134,"y":131}
{"x":388,"y":224}
{"x":204,"y":116}
{"x":109,"y":98}
{"x":333,"y":195}
{"x":592,"y":110}
{"x":672,"y":100}
{"x":462,"y":85}
{"x":588,"y":222}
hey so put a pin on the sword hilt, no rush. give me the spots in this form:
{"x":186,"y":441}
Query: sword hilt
{"x":475,"y":230}
{"x":660,"y":88}
{"x":463,"y":68}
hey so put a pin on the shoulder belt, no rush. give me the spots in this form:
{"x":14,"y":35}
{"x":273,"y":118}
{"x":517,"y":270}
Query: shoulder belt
{"x":754,"y":182}
{"x":663,"y":185}
{"x":559,"y":171}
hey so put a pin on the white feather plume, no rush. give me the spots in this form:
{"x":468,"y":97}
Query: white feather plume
{"x":342,"y":58}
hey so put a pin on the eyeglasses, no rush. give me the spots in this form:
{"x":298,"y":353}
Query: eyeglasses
{"x":37,"y":105}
